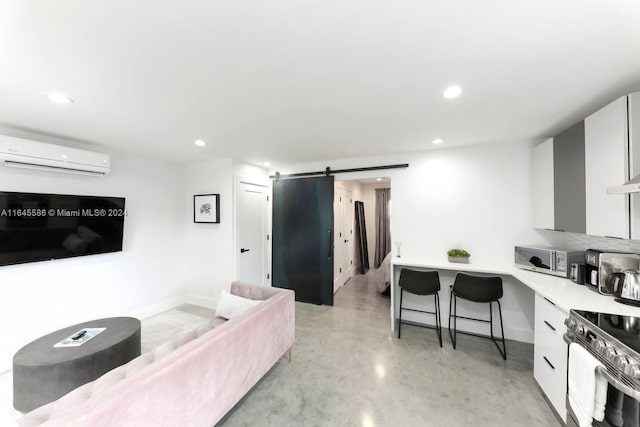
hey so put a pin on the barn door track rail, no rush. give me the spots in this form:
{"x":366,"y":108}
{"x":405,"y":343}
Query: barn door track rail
{"x":329,"y":172}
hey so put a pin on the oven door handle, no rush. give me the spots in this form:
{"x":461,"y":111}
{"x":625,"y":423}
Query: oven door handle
{"x":615,"y":382}
{"x":619,"y":385}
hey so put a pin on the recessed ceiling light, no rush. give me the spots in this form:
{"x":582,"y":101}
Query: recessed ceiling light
{"x":59,"y":98}
{"x":378,"y":179}
{"x":200,"y":143}
{"x":437,"y":141}
{"x":267,"y":164}
{"x":452,"y":92}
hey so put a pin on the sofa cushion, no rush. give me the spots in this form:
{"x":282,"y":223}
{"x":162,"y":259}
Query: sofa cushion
{"x":230,"y":306}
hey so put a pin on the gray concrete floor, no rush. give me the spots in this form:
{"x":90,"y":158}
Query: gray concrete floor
{"x":348,"y":369}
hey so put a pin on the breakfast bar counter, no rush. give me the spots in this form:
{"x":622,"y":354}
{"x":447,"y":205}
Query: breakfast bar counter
{"x":559,"y":291}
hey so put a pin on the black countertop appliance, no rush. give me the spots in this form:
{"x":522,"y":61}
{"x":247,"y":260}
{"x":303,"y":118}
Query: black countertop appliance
{"x":591,"y":266}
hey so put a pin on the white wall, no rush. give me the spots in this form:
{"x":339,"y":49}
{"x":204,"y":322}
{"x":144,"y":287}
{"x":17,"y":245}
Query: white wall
{"x":143,"y":279}
{"x":477,"y":197}
{"x":210,"y":247}
{"x":210,"y":265}
{"x":251,"y":173}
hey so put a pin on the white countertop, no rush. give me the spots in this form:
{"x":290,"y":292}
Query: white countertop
{"x":562,"y":292}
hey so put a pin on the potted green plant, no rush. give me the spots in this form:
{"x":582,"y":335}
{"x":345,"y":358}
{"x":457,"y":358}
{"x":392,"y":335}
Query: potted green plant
{"x":458,"y":255}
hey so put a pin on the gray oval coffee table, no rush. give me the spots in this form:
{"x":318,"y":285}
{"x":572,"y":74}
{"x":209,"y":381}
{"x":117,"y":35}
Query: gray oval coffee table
{"x":43,"y":373}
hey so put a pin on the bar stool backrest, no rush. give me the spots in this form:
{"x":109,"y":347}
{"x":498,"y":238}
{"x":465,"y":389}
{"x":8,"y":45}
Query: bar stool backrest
{"x":419,"y":282}
{"x":478,"y":288}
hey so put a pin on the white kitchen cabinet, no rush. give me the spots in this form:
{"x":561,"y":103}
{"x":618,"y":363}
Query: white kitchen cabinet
{"x":542,"y":176}
{"x":606,"y":165}
{"x":550,"y":353}
{"x":633,"y":107}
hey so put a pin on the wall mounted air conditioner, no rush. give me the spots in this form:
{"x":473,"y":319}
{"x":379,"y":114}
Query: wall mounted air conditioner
{"x":28,"y":154}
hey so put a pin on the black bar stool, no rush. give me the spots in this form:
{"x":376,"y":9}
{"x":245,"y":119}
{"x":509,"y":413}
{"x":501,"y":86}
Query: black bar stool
{"x":421,"y":283}
{"x":477,"y":289}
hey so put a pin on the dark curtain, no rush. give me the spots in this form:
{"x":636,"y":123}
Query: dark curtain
{"x":362,"y":251}
{"x":383,"y":226}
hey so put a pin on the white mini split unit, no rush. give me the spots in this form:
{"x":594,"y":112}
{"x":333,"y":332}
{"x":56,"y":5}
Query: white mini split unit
{"x":28,"y":154}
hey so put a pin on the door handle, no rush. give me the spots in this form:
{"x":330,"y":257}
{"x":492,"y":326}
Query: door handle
{"x":243,"y":250}
{"x":346,"y":241}
{"x":549,"y":325}
{"x":549,"y":363}
{"x":330,"y":242}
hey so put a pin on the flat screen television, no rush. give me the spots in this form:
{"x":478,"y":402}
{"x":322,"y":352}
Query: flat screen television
{"x":38,"y":227}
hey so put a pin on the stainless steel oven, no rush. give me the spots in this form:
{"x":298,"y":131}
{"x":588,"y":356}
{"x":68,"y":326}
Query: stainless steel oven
{"x":615,"y":341}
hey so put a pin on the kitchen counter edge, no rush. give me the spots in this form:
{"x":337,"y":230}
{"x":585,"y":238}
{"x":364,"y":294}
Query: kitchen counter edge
{"x":560,"y":291}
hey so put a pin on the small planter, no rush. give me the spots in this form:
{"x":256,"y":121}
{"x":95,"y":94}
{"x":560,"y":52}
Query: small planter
{"x":459,"y":259}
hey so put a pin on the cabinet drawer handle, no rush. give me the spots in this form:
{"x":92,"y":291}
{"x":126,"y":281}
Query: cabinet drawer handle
{"x":549,"y":301}
{"x":549,"y":325}
{"x":548,"y":363}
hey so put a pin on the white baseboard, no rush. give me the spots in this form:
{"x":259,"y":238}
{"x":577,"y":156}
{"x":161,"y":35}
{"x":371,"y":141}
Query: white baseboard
{"x":351,"y":271}
{"x":158,"y":307}
{"x":206,"y":302}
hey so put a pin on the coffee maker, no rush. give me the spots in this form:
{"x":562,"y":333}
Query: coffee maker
{"x":591,"y":267}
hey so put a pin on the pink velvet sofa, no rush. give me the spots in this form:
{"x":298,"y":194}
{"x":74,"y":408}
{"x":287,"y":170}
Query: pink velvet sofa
{"x":193,"y":380}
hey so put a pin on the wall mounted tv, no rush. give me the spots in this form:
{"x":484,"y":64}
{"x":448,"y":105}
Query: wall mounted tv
{"x":38,"y":227}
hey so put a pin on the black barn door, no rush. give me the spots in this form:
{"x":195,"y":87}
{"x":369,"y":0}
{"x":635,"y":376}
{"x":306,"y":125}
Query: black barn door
{"x":303,"y":238}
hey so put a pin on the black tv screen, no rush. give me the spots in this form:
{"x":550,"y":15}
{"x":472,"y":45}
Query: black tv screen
{"x":38,"y":227}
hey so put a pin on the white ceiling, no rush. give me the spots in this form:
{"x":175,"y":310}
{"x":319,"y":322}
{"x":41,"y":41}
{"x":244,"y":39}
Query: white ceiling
{"x":293,"y":81}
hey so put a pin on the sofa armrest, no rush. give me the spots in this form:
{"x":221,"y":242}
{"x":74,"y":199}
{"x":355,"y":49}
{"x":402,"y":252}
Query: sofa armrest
{"x":255,"y":292}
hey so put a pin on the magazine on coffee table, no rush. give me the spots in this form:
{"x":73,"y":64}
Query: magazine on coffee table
{"x":80,"y":337}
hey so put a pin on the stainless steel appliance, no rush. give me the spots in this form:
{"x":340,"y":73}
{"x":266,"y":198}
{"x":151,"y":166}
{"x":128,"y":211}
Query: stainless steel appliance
{"x":547,"y":260}
{"x":615,"y":341}
{"x":577,"y":273}
{"x":625,"y":287}
{"x":614,"y":262}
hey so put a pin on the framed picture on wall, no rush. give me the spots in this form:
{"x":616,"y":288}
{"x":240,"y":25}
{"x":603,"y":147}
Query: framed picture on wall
{"x":206,"y":208}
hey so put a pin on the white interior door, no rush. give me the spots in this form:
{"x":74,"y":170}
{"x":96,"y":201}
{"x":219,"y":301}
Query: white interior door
{"x":251,"y":233}
{"x":349,"y":215}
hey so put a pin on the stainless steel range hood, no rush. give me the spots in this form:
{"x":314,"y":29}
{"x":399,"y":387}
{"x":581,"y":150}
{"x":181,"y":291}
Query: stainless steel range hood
{"x":632,"y":186}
